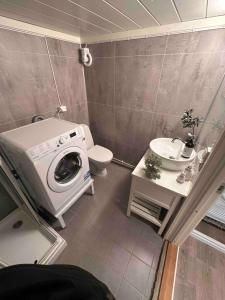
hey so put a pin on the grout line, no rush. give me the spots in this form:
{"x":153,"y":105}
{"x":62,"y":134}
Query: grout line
{"x":166,"y":54}
{"x":114,"y":96}
{"x":134,"y":109}
{"x":64,"y":56}
{"x":160,"y":76}
{"x":26,"y":119}
{"x":85,"y":91}
{"x":41,"y":54}
{"x":123,"y":275}
{"x":50,"y":61}
{"x":26,"y":52}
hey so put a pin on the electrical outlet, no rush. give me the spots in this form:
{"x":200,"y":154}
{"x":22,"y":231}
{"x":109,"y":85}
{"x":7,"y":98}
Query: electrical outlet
{"x":62,"y":108}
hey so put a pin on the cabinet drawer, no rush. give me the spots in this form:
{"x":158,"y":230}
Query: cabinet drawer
{"x":152,"y":192}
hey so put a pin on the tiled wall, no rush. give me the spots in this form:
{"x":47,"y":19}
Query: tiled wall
{"x":138,"y":89}
{"x":33,"y":82}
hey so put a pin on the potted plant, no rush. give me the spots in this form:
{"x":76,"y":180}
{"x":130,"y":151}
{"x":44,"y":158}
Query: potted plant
{"x":189,"y":121}
{"x":152,"y":165}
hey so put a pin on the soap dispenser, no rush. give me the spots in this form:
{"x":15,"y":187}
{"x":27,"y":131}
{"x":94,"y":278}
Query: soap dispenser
{"x":189,"y":146}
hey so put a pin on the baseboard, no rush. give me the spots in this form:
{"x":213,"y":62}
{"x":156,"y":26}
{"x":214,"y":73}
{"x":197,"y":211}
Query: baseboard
{"x":169,"y":273}
{"x":123,"y":163}
{"x":165,"y":282}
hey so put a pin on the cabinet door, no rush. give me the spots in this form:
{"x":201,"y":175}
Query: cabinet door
{"x":152,"y":192}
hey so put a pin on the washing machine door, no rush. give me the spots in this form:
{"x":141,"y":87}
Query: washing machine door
{"x":66,"y":169}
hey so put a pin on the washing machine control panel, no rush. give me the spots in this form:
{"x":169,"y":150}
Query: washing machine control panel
{"x":54,"y":144}
{"x":62,"y":139}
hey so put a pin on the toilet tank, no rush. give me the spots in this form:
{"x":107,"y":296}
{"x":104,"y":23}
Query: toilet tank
{"x":88,"y":136}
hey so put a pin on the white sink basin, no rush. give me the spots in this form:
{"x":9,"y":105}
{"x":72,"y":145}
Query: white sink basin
{"x":170,"y":153}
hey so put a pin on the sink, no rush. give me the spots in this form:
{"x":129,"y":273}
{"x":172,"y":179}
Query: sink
{"x":170,"y":153}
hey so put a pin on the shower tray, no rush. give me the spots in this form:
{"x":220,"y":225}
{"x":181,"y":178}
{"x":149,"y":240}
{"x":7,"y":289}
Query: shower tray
{"x":25,"y":241}
{"x":25,"y":238}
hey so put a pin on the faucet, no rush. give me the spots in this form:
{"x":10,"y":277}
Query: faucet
{"x":176,"y":138}
{"x":180,"y":148}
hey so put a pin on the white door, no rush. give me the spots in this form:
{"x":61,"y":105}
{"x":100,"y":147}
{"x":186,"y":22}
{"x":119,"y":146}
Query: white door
{"x":66,"y":169}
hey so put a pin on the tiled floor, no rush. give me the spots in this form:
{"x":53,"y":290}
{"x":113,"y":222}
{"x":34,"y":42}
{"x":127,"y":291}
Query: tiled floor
{"x":200,"y":272}
{"x":122,"y":252}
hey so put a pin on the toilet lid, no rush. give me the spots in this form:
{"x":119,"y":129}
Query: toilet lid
{"x":100,"y":154}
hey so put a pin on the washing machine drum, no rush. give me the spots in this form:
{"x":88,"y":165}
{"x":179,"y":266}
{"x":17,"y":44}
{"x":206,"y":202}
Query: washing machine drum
{"x":66,"y":169}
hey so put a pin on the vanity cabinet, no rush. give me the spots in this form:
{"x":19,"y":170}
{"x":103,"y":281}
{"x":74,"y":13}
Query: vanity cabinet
{"x":156,"y":200}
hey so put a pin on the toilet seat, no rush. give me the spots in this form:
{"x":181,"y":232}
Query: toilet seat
{"x":100,"y":154}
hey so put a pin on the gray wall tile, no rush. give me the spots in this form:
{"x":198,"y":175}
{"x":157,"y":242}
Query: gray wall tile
{"x":133,"y":127}
{"x":199,"y":41}
{"x":189,"y":80}
{"x":16,"y":41}
{"x":145,"y":46}
{"x":102,"y":120}
{"x":77,"y":114}
{"x":70,"y":80}
{"x":137,"y":80}
{"x":27,"y":82}
{"x":100,"y":81}
{"x":102,"y":49}
{"x":62,"y":48}
{"x":129,"y":153}
{"x":27,"y":85}
{"x":18,"y":123}
{"x":156,"y":80}
{"x":165,"y":125}
{"x":216,"y":113}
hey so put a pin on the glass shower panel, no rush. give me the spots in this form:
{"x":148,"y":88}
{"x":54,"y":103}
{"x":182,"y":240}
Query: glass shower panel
{"x":213,"y":224}
{"x":214,"y":122}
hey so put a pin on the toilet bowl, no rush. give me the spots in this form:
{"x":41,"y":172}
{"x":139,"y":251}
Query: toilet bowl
{"x":99,"y":157}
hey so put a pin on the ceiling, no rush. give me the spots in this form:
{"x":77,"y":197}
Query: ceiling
{"x":101,"y":17}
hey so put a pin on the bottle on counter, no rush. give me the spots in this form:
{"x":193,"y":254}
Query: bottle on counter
{"x":181,"y":177}
{"x":188,"y":173}
{"x":189,"y":146}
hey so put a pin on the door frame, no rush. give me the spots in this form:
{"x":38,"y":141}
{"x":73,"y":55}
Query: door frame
{"x":201,"y":197}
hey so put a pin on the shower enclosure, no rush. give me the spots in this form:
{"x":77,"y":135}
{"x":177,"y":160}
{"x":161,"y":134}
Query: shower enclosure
{"x":213,"y":224}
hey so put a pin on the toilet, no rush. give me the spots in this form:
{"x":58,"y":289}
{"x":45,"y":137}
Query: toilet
{"x":99,"y":157}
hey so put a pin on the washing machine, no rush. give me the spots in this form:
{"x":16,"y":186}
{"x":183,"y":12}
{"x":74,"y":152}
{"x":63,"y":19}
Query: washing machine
{"x":50,"y":159}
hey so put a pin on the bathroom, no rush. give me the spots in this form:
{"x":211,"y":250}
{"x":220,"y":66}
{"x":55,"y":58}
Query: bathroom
{"x":140,"y":83}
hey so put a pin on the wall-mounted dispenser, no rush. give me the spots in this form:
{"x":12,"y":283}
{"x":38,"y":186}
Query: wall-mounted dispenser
{"x":86,"y":56}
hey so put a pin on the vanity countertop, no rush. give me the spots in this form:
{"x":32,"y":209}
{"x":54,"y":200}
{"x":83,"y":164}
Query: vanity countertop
{"x":167,"y":180}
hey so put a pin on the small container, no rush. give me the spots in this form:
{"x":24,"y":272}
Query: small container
{"x":181,"y":178}
{"x":188,"y":173}
{"x":189,"y":146}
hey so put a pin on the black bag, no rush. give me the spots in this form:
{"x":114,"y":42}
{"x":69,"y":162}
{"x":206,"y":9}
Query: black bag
{"x":52,"y":282}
